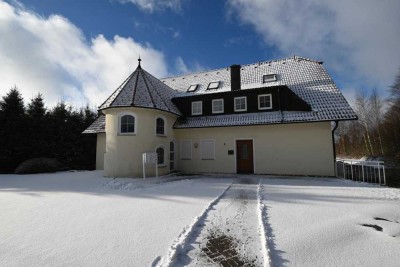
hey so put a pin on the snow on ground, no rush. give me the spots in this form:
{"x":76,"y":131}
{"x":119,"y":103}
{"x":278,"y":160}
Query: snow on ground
{"x":319,"y":222}
{"x":83,"y":219}
{"x":73,"y":219}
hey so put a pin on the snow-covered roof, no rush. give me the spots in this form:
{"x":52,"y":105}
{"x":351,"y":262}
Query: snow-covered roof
{"x":98,"y":126}
{"x":141,"y":89}
{"x":258,"y":118}
{"x":307,"y":78}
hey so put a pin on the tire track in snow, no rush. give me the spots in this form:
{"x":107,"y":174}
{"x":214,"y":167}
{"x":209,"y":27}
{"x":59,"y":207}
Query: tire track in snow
{"x":229,"y":233}
{"x":180,"y":244}
{"x":272,"y":255}
{"x":263,"y":226}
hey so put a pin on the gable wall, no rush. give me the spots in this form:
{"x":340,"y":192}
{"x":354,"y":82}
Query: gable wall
{"x":283,"y":149}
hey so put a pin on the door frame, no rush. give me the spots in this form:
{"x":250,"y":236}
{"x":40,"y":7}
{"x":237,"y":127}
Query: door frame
{"x":254,"y":153}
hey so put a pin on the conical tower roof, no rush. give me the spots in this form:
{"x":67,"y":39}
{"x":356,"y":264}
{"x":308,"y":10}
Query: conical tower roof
{"x":141,"y":89}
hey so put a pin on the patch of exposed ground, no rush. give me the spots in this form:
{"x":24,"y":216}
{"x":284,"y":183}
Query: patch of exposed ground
{"x":221,"y":249}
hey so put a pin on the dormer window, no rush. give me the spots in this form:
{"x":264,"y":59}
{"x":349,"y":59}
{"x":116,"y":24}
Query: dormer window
{"x":218,"y":106}
{"x":197,"y":108}
{"x":192,"y":88}
{"x":213,"y":85}
{"x":267,"y":78}
{"x":265,"y":101}
{"x":240,"y":103}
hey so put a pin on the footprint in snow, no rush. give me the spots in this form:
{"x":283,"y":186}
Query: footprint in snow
{"x":392,"y":228}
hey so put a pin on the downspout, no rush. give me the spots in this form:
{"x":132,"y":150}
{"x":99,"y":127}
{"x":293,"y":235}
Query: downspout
{"x":333,"y":144}
{"x":279,"y":103}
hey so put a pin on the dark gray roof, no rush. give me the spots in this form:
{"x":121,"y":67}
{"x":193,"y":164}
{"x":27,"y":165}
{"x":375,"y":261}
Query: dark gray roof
{"x":141,"y":89}
{"x":98,"y":126}
{"x":306,"y":78}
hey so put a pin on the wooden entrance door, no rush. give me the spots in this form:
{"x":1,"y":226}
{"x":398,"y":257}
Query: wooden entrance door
{"x":244,"y":156}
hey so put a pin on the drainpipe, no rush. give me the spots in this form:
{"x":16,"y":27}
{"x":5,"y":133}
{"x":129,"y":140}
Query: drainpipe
{"x":333,"y":143}
{"x":279,"y":103}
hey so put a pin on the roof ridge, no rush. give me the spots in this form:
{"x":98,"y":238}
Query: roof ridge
{"x":148,"y":89}
{"x":119,"y":87}
{"x":156,"y":91}
{"x":193,"y":73}
{"x":294,"y":57}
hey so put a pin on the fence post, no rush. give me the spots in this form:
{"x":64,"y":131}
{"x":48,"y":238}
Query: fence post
{"x":351,"y":169}
{"x":362,"y":166}
{"x":384,"y":175}
{"x":379,"y":172}
{"x":344,"y":171}
{"x":336,"y":172}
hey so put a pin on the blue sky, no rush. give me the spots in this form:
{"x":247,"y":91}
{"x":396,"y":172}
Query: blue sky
{"x":80,"y":51}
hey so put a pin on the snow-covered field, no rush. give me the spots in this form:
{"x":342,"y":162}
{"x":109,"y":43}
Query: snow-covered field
{"x":83,"y":219}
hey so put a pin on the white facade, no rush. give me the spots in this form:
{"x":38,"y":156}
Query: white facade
{"x":281,"y":149}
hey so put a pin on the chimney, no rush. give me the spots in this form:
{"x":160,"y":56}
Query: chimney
{"x":235,"y":77}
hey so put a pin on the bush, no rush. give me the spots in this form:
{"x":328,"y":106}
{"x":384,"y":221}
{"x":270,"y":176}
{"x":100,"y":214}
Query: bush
{"x":39,"y":165}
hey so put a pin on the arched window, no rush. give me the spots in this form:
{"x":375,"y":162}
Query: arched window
{"x":160,"y":156}
{"x":160,"y":126}
{"x":127,"y":124}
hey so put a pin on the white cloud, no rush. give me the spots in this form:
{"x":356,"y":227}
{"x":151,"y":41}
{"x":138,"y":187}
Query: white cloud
{"x":155,"y":5}
{"x":52,"y":56}
{"x":182,"y":68}
{"x":358,"y":39}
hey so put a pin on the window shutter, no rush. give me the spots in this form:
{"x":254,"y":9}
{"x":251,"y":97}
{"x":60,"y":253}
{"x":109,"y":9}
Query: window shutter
{"x":207,"y":149}
{"x":186,"y":150}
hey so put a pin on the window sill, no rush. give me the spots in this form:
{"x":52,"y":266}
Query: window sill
{"x":264,"y":108}
{"x":126,"y":134}
{"x":161,"y":135}
{"x":161,"y":165}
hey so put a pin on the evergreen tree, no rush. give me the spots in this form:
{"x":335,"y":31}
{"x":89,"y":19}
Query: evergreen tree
{"x":13,"y":131}
{"x":38,"y":128}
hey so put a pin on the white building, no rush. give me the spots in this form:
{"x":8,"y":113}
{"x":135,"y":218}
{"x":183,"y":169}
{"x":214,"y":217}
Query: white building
{"x":271,"y":117}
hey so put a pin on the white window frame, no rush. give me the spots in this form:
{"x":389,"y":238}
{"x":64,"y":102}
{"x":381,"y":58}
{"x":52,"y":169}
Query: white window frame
{"x":119,"y":123}
{"x":201,"y":149}
{"x":192,"y":88}
{"x":191,"y":151}
{"x":201,"y":107}
{"x":270,"y":101}
{"x":245,"y":103}
{"x":213,"y":85}
{"x":216,"y":100}
{"x":165,"y":156}
{"x":165,"y":125}
{"x":273,"y":78}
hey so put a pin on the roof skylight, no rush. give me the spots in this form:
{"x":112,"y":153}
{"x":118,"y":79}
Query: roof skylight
{"x":269,"y":78}
{"x":192,"y":88}
{"x":213,"y":85}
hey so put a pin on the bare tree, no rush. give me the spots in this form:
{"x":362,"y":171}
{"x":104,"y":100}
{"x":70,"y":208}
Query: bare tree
{"x":362,"y":110}
{"x":376,"y":106}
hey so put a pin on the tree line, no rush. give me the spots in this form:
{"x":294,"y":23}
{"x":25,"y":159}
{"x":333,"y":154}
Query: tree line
{"x":33,"y":131}
{"x":376,"y":133}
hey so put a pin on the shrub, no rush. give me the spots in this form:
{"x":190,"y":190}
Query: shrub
{"x":39,"y":165}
